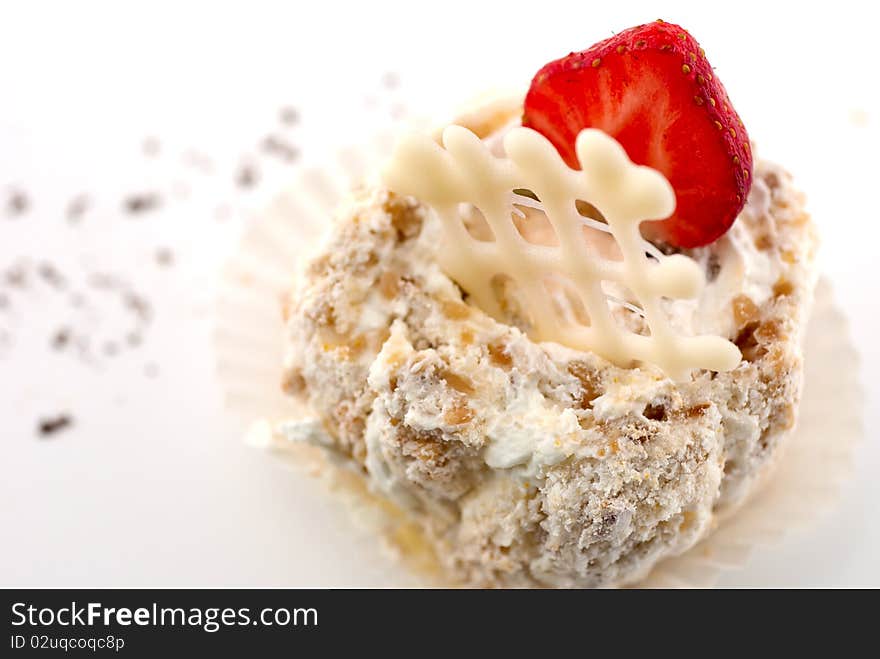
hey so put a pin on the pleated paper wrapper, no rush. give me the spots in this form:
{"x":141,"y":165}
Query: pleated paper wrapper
{"x":249,"y":348}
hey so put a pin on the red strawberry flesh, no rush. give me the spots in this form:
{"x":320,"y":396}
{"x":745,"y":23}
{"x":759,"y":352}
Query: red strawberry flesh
{"x":651,"y":88}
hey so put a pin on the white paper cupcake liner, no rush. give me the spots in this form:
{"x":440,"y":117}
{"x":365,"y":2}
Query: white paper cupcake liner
{"x":249,"y":346}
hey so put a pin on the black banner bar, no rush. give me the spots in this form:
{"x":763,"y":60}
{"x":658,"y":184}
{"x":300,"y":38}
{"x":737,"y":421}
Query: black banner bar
{"x":283,"y":622}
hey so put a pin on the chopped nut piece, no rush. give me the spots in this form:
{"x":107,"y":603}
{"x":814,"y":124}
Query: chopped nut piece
{"x":457,"y":382}
{"x":389,"y":284}
{"x":294,"y":383}
{"x":696,"y":410}
{"x":764,"y":242}
{"x":499,"y":356}
{"x":455,"y":310}
{"x":458,"y":414}
{"x":404,"y":218}
{"x":782,"y":287}
{"x":770,"y":330}
{"x":654,"y":412}
{"x":347,"y":347}
{"x":591,"y":384}
{"x":744,"y":310}
{"x":747,"y":343}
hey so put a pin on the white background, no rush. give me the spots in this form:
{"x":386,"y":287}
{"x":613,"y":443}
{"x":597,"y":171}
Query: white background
{"x":151,"y":485}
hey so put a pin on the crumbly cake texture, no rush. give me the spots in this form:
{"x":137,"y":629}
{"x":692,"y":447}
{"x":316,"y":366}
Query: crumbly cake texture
{"x":527,"y":464}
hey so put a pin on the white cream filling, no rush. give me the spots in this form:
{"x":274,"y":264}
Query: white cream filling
{"x":530,"y":434}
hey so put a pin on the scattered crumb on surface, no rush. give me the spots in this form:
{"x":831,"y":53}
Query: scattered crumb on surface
{"x":143,"y":202}
{"x":77,"y":207}
{"x":16,"y":277}
{"x":86,"y":323}
{"x":165,"y":257}
{"x":81,"y":327}
{"x":50,"y":274}
{"x":247,"y":176}
{"x":279,"y":146}
{"x":17,"y":204}
{"x":289,"y":115}
{"x":138,"y":305}
{"x":61,"y":338}
{"x":49,"y":426}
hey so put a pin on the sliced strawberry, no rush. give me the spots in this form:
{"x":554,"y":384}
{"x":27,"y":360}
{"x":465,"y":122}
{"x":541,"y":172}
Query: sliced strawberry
{"x":651,"y":88}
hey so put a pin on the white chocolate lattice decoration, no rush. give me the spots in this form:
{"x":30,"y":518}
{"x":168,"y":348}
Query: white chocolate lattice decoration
{"x":464,"y":171}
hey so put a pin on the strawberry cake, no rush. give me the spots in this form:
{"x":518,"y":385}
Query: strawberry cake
{"x":562,"y":339}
